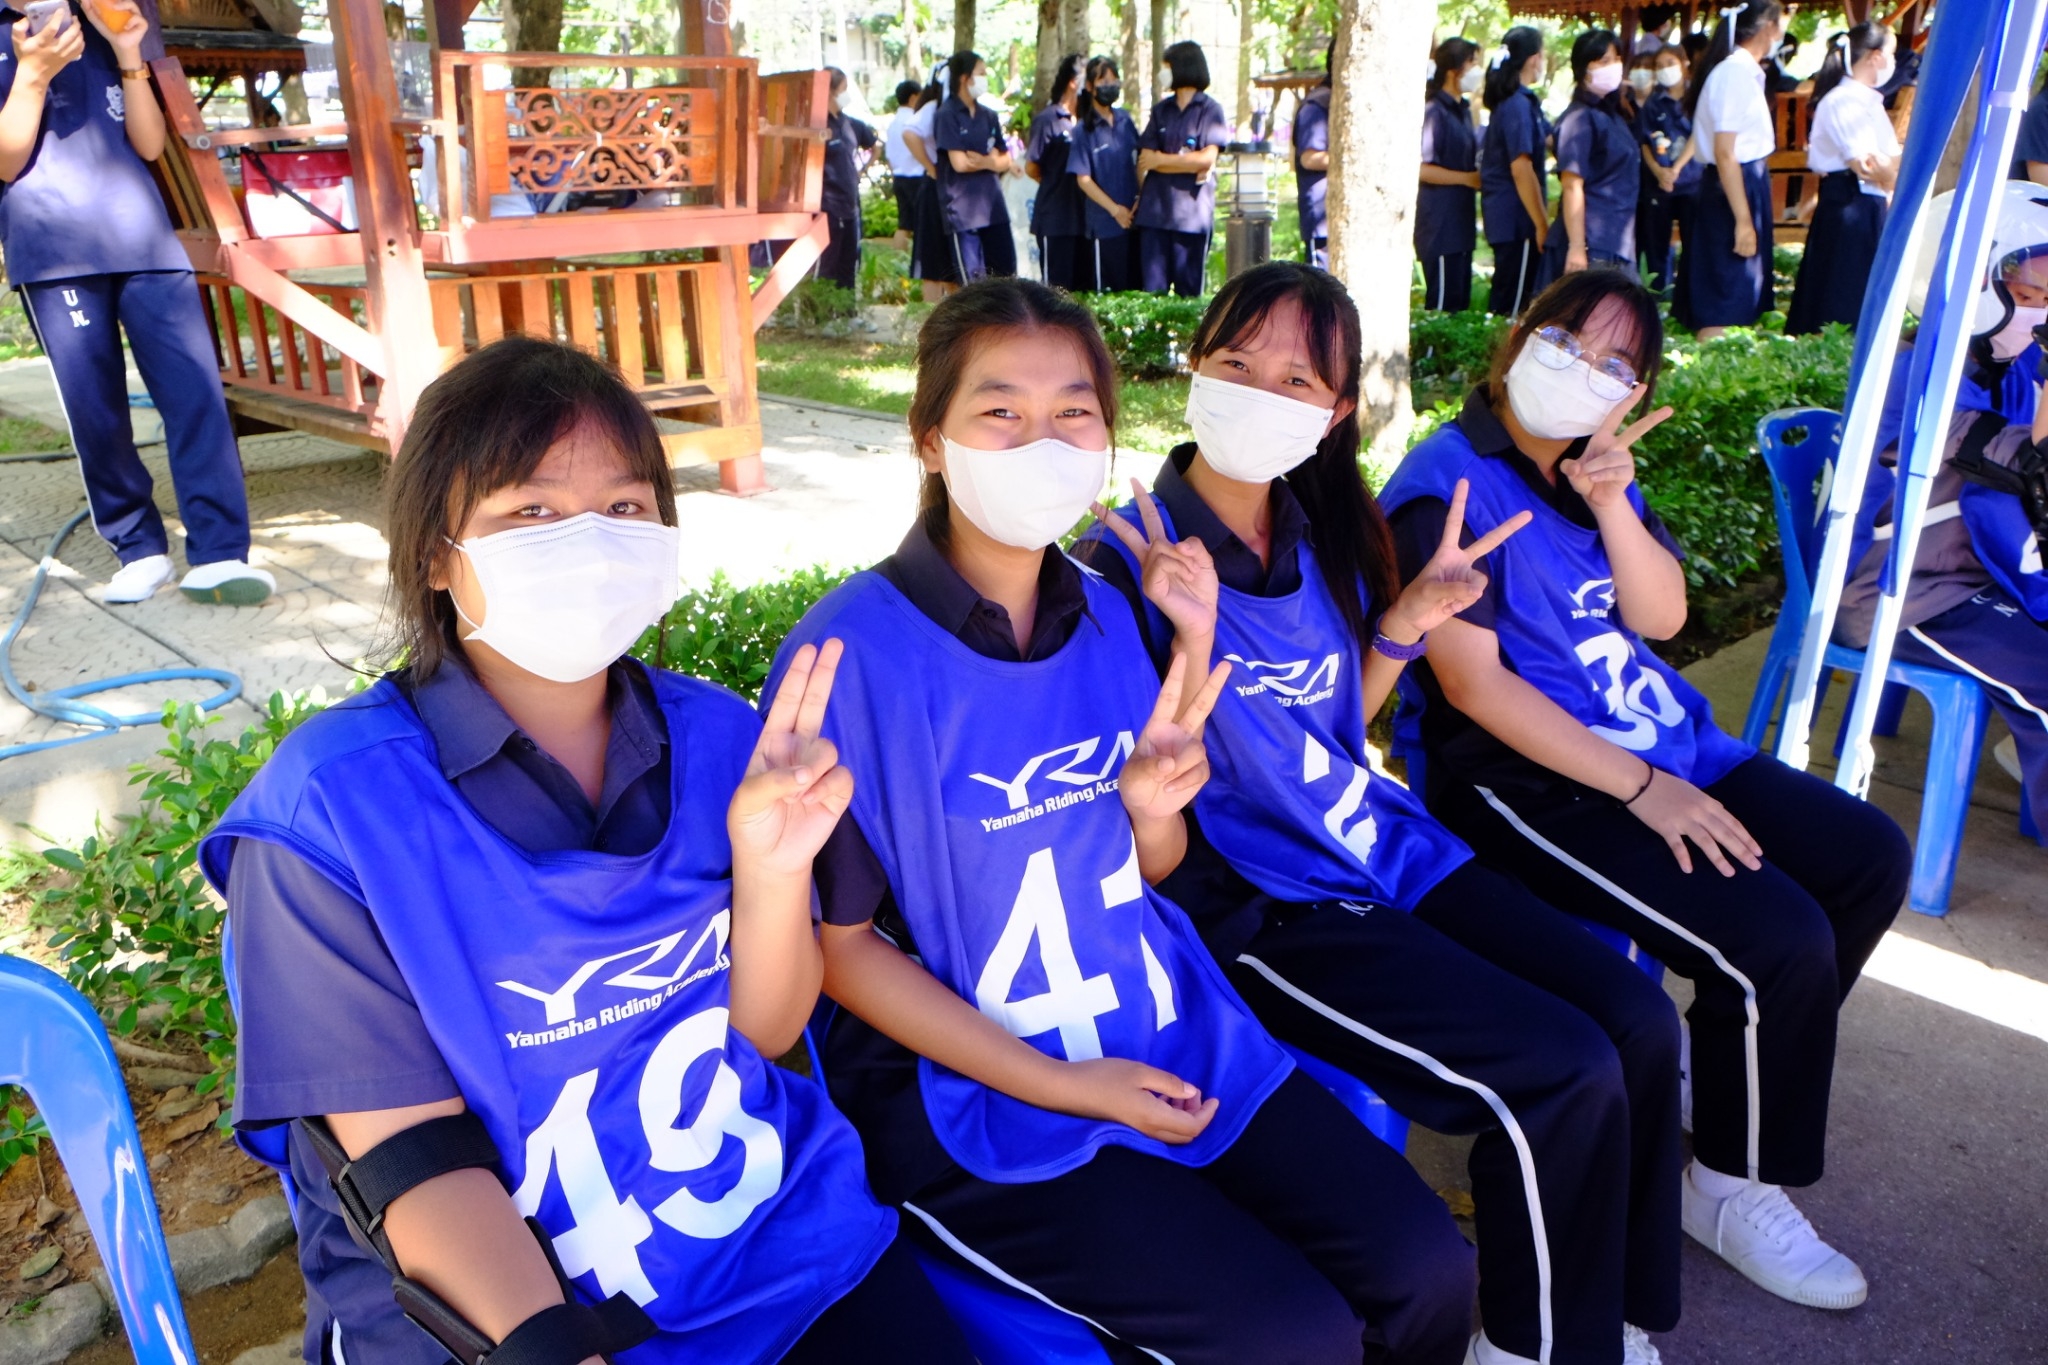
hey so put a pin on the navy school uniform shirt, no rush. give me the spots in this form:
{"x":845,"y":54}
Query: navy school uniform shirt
{"x":1176,"y":201}
{"x":1662,"y":125}
{"x":85,"y":204}
{"x":1518,"y":128}
{"x":1445,"y":222}
{"x":840,"y":197}
{"x":1106,"y":150}
{"x":1311,"y":190}
{"x":1595,"y":143}
{"x":971,"y":200}
{"x":2033,"y":142}
{"x":1056,"y":203}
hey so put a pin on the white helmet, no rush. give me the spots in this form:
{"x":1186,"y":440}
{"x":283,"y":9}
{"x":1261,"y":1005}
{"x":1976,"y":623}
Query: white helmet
{"x":2019,"y":253}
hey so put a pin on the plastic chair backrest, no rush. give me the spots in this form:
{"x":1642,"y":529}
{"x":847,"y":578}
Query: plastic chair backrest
{"x":54,"y":1047}
{"x":1799,"y":470}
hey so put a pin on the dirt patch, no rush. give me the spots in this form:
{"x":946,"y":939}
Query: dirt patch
{"x":228,"y":1320}
{"x":1717,"y":617}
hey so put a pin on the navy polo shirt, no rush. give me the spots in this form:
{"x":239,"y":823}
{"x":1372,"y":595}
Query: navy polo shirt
{"x":1056,"y":207}
{"x":85,"y":203}
{"x":1518,"y":129}
{"x":2033,"y":143}
{"x":1312,"y":134}
{"x":1445,"y":215}
{"x":1175,"y":201}
{"x":972,"y":200}
{"x":1662,"y":125}
{"x":1106,"y":150}
{"x":1595,"y":143}
{"x":841,"y":195}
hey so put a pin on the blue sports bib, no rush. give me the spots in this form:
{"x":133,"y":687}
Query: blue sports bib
{"x":1557,"y":622}
{"x":1291,"y":801}
{"x":988,"y":791}
{"x":581,"y":1000}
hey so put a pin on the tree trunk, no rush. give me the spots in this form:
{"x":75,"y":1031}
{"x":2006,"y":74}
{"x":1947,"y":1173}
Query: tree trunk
{"x":913,"y":44}
{"x":1051,"y":47}
{"x":1375,"y":161}
{"x":533,"y":26}
{"x":1132,"y":59}
{"x":963,"y":30}
{"x":1244,"y":68}
{"x":1157,"y":55}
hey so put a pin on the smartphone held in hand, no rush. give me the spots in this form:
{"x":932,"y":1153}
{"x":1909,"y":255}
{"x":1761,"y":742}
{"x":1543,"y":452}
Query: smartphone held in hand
{"x":44,"y":14}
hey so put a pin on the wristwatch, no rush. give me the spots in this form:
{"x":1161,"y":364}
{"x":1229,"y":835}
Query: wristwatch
{"x":1396,"y":651}
{"x":134,"y":73}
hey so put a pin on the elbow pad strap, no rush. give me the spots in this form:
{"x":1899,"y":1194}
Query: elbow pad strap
{"x":571,"y":1332}
{"x":368,"y":1185}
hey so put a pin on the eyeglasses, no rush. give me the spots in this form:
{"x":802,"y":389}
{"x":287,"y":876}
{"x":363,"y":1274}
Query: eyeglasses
{"x":1609,"y":377}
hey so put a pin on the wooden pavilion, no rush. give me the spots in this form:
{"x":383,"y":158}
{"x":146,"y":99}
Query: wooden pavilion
{"x":335,"y":326}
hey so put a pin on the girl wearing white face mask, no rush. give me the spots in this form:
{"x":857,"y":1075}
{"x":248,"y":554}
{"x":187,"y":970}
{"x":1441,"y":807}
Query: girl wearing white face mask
{"x":1855,"y":150}
{"x":1357,"y":926}
{"x":1596,"y":164}
{"x":417,"y":873}
{"x":1569,"y":756}
{"x":1046,"y":1066}
{"x":1446,"y":206}
{"x":1670,"y":195}
{"x":972,"y":158}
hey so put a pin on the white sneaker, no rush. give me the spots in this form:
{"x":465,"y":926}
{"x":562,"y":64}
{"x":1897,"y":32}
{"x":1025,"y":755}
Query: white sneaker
{"x":2007,"y":752}
{"x":1768,"y":1240}
{"x":1484,"y":1352}
{"x":138,"y":580}
{"x":1637,"y":1348}
{"x":1685,"y":1075}
{"x":230,"y":581}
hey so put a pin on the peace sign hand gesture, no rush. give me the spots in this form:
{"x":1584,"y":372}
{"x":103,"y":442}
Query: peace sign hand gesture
{"x":794,"y":791}
{"x":1169,"y":764}
{"x":1179,"y":579}
{"x":1603,"y":473}
{"x":1451,"y":581}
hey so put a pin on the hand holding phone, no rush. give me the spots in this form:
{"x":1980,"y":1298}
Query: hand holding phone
{"x":47,"y":40}
{"x":47,"y":14}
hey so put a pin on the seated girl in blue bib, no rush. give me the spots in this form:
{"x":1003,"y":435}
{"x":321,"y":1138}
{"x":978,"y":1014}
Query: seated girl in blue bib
{"x":1568,"y":755}
{"x":517,"y":930}
{"x":1356,"y":926}
{"x":1048,"y":1069}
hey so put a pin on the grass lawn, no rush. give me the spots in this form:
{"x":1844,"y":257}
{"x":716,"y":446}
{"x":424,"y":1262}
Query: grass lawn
{"x":880,"y":376}
{"x":20,"y":435}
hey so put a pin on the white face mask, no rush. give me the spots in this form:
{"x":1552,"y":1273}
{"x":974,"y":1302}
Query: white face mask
{"x":1165,"y":80}
{"x":977,"y":86}
{"x":1554,"y":405}
{"x":1641,"y":81}
{"x":563,"y":599}
{"x":1886,"y":69}
{"x":2018,"y":334}
{"x":1604,"y":80}
{"x":1470,"y":82}
{"x":1028,"y":496}
{"x":1670,"y":76}
{"x":1249,"y":434}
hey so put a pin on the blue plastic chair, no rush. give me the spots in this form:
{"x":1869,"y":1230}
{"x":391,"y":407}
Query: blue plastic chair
{"x":54,"y":1047}
{"x":1798,"y":447}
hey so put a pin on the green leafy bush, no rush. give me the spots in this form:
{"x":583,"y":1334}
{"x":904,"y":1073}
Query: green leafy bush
{"x":877,"y":210}
{"x":727,"y":634}
{"x":884,"y":274}
{"x":1148,"y":334}
{"x":21,"y":1131}
{"x":815,"y":302}
{"x":1449,"y":352}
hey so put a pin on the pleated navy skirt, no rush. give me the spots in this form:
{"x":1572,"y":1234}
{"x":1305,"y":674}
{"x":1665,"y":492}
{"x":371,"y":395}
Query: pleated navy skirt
{"x":1724,"y":289}
{"x":1841,"y":247}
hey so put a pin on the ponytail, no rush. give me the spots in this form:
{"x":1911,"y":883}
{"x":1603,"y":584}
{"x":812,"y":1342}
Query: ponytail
{"x":1504,"y":77}
{"x":1846,"y":49}
{"x":1740,"y":22}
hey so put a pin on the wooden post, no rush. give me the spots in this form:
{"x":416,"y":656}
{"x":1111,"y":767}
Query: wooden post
{"x":705,"y":31}
{"x":401,"y":314}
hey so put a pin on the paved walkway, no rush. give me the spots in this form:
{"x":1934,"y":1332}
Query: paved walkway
{"x":1938,"y":1179}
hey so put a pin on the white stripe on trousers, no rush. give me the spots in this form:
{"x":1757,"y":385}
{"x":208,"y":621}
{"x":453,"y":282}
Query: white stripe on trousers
{"x":1752,"y":1074}
{"x":1539,"y":1237}
{"x":995,"y":1272}
{"x":28,"y":306}
{"x":1522,"y":280}
{"x":1980,"y":675}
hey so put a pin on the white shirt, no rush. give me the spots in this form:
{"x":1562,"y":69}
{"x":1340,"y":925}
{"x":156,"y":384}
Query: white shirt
{"x":1733,"y":101}
{"x":924,"y":123}
{"x":901,"y":162}
{"x":1850,"y":122}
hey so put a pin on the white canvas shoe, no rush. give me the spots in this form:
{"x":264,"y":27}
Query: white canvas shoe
{"x":1484,"y":1352}
{"x":229,"y":581}
{"x":138,"y":580}
{"x":1637,"y":1348}
{"x":1768,"y":1240}
{"x":2007,"y":752}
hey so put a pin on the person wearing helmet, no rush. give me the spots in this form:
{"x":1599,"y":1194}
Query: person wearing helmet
{"x":1977,"y":600}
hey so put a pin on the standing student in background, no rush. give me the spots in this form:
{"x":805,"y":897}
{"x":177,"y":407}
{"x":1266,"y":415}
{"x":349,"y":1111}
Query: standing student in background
{"x":1104,"y":165}
{"x":1597,"y":166}
{"x":2030,"y":157}
{"x":845,"y":137}
{"x":1641,"y":84}
{"x":1511,"y":172}
{"x":88,"y":244}
{"x":973,"y":157}
{"x":1446,"y":205}
{"x":1056,"y":208}
{"x":931,"y":247}
{"x":1672,"y":197}
{"x":1653,"y":34}
{"x":1177,"y":176}
{"x":1312,"y":168}
{"x":908,"y":169}
{"x":1728,"y":280}
{"x":1854,"y":148}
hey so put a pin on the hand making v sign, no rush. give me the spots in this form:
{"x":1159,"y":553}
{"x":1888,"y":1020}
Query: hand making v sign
{"x":1604,"y":470}
{"x":1179,"y":578}
{"x":1451,"y":581}
{"x":795,"y":789}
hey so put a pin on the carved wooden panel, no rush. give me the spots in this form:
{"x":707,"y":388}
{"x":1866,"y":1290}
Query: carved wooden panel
{"x":663,"y":137}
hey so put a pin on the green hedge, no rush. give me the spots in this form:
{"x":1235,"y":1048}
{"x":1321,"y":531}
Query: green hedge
{"x":1148,"y":334}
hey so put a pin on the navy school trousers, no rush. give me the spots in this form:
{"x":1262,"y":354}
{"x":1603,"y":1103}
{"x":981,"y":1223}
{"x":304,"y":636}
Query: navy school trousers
{"x":1771,"y":954}
{"x":1518,"y":276}
{"x":1172,"y":260}
{"x":79,"y":322}
{"x":1991,"y":638}
{"x":1108,"y":265}
{"x":1487,"y":1011}
{"x":1446,"y":282}
{"x":1309,"y":1240}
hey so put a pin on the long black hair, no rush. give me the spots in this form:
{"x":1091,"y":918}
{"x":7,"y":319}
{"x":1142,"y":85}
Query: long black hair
{"x":1064,"y":76}
{"x":1731,"y":32}
{"x":1353,"y":543}
{"x":1504,"y":77}
{"x":1846,"y":49}
{"x":1098,"y":67}
{"x":959,"y":70}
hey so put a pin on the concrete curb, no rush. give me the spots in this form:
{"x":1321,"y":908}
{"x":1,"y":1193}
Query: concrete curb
{"x":73,"y":1316}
